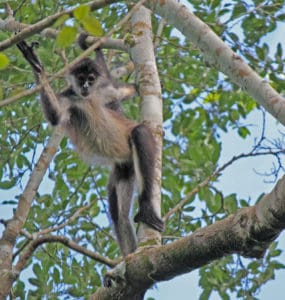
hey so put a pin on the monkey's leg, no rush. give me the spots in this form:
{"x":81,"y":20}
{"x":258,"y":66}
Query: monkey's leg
{"x":120,"y":190}
{"x":143,"y":147}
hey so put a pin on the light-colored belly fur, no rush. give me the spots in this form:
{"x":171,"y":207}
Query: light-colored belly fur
{"x":105,"y":139}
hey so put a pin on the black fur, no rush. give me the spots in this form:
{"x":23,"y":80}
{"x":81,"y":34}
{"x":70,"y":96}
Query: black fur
{"x":144,"y":142}
{"x":113,"y":203}
{"x":122,"y":177}
{"x":30,"y":56}
{"x":50,"y":113}
{"x":78,"y":119}
{"x":68,"y":93}
{"x":85,"y":66}
{"x":121,"y":172}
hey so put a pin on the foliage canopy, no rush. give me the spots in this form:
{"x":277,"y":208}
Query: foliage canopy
{"x":199,"y":106}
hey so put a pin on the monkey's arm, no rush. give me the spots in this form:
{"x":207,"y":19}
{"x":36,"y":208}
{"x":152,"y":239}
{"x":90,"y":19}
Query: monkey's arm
{"x":49,"y":100}
{"x":125,"y":91}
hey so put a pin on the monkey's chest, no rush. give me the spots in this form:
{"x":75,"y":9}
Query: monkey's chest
{"x":98,"y":140}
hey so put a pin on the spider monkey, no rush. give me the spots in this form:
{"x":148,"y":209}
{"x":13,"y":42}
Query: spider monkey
{"x":90,"y":114}
{"x":112,"y":91}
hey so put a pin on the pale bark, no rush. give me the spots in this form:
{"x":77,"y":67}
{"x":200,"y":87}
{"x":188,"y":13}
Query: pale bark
{"x":13,"y":227}
{"x":219,"y":55}
{"x":34,"y":244}
{"x":251,"y":229}
{"x":142,"y":53}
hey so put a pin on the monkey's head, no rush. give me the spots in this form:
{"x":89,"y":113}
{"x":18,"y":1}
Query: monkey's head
{"x":83,"y":77}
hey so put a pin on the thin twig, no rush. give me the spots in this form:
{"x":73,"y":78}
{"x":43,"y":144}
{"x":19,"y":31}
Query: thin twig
{"x":48,"y":21}
{"x":216,"y":173}
{"x":65,"y":241}
{"x":159,"y":33}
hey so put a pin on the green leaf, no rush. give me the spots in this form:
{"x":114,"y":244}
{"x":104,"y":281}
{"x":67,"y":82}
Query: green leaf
{"x":81,"y":12}
{"x":19,"y":290}
{"x":1,"y":93}
{"x":35,"y":282}
{"x":213,"y":201}
{"x":277,"y":265}
{"x":4,"y":61}
{"x":279,"y":52}
{"x":230,"y":203}
{"x":243,"y":132}
{"x":239,"y":9}
{"x":260,"y":52}
{"x":253,"y":266}
{"x":60,"y":20}
{"x":205,"y":295}
{"x":212,"y":97}
{"x":281,"y":17}
{"x":7,"y":184}
{"x":86,"y":226}
{"x":94,"y":210}
{"x":56,"y":275}
{"x":37,"y":270}
{"x":276,"y":252}
{"x":8,"y":202}
{"x":234,"y":36}
{"x":66,"y":36}
{"x":92,"y":26}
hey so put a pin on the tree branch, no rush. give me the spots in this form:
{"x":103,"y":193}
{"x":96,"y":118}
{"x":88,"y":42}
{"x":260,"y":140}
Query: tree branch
{"x":72,"y":218}
{"x":218,"y":54}
{"x":27,"y":31}
{"x":216,"y":173}
{"x":142,"y":54}
{"x":22,"y":262}
{"x":248,"y":232}
{"x":79,"y":58}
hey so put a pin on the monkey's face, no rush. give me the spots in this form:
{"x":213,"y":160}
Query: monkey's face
{"x":85,"y":83}
{"x":83,"y":77}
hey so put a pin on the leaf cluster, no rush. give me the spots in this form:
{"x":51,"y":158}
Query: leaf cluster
{"x":198,"y":104}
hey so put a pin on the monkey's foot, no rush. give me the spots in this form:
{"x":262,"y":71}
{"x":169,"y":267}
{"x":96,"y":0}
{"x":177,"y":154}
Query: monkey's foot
{"x":150,"y":218}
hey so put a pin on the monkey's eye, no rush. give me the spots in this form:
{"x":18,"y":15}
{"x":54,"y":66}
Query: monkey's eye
{"x":81,"y":78}
{"x":91,"y":77}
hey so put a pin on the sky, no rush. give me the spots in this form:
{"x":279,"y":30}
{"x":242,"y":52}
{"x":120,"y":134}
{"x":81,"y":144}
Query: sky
{"x":240,"y":177}
{"x":248,"y":185}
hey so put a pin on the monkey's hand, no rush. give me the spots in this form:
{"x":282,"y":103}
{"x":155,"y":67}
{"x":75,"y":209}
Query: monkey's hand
{"x":83,"y":44}
{"x":147,"y":215}
{"x":82,"y":40}
{"x":30,"y":56}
